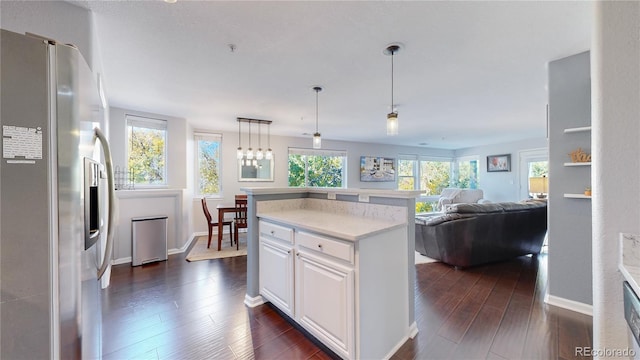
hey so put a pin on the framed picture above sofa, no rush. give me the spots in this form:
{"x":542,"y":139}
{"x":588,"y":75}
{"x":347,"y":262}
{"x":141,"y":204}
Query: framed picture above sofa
{"x":497,"y":163}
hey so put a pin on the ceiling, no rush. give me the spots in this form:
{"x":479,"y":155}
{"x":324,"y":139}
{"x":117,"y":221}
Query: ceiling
{"x":468,"y":74}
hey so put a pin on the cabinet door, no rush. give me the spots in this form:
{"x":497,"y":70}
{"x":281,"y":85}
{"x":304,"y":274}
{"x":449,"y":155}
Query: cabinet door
{"x":325,"y":301}
{"x":276,"y":274}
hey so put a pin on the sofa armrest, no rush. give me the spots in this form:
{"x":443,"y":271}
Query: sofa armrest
{"x":443,"y":201}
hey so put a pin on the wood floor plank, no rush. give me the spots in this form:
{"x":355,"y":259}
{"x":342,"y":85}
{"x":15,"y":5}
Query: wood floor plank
{"x":181,"y":310}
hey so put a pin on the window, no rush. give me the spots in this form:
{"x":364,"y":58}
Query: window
{"x":435,"y":175}
{"x":428,"y":175}
{"x":406,"y":173}
{"x":207,"y":167}
{"x":467,"y":173}
{"x":317,"y":168}
{"x":147,"y":150}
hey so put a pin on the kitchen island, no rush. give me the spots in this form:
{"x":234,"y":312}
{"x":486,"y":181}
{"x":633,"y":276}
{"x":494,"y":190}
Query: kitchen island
{"x":339,"y":262}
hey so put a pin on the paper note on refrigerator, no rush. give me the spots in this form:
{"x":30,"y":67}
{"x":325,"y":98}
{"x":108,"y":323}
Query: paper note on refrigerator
{"x":21,"y":142}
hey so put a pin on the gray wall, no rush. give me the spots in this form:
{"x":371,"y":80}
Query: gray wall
{"x":569,"y":219}
{"x":501,"y":186}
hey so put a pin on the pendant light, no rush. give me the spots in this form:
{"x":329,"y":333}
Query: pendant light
{"x":249,"y":150}
{"x":269,"y":154}
{"x":239,"y":153}
{"x":259,"y":153}
{"x":317,"y":139}
{"x":392,"y":117}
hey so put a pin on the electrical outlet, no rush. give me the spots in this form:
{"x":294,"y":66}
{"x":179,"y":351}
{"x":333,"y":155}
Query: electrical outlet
{"x":363,"y":197}
{"x":331,"y":196}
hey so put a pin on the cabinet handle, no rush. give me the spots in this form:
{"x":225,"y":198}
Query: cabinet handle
{"x":272,"y":232}
{"x":289,"y":252}
{"x":298,"y":254}
{"x":320,"y":246}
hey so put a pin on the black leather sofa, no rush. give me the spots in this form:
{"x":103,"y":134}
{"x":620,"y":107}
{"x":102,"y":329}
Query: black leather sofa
{"x":473,"y":234}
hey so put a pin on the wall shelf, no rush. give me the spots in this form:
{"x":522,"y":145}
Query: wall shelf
{"x":577,"y":129}
{"x":577,"y":196}
{"x":577,"y":163}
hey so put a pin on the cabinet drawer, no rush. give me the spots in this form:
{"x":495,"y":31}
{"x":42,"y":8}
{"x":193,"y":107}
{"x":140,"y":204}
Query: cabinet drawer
{"x":276,"y":231}
{"x":335,"y":248}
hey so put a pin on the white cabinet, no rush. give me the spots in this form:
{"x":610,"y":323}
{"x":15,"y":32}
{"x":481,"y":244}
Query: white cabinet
{"x":276,"y":266}
{"x":350,"y":295}
{"x":325,"y":291}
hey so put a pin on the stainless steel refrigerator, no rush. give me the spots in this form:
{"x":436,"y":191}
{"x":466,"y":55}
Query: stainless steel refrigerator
{"x":56,"y":198}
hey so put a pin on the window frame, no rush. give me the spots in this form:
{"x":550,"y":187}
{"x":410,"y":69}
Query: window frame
{"x":149,"y":123}
{"x":206,"y":136}
{"x":318,"y":152}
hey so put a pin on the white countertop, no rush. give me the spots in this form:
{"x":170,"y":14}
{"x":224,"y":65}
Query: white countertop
{"x":350,"y":191}
{"x":629,"y":260}
{"x":341,"y":226}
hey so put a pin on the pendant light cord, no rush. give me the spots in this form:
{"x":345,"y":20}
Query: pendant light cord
{"x":392,"y":53}
{"x":317,"y":109}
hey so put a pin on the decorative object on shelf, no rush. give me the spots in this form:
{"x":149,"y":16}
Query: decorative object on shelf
{"x":377,"y":169}
{"x":496,"y":163}
{"x":587,"y":191}
{"x":392,"y":117}
{"x":579,"y":155}
{"x":123,"y":179}
{"x":539,"y":185}
{"x":317,"y":138}
{"x":259,"y":166}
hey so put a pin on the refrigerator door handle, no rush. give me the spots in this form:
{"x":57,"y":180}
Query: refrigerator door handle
{"x":112,"y":200}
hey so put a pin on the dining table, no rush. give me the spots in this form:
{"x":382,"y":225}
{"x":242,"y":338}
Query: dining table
{"x":224,"y":208}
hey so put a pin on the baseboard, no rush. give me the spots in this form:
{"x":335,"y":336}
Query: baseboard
{"x":119,"y":261}
{"x":413,"y":330}
{"x":396,"y":347}
{"x":569,"y":304}
{"x":253,"y":301}
{"x":173,"y":251}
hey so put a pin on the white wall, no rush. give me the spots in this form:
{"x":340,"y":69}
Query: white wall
{"x":176,"y":143}
{"x":615,"y":77}
{"x":501,"y":186}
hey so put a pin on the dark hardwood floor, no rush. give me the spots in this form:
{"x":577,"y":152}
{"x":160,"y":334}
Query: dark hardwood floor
{"x":181,"y":310}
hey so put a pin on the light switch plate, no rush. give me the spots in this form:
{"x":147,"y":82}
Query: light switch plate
{"x":331,"y":196}
{"x":363,"y":197}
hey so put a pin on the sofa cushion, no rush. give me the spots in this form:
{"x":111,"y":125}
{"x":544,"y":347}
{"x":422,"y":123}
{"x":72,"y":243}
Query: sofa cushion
{"x":439,"y":219}
{"x":474,"y":208}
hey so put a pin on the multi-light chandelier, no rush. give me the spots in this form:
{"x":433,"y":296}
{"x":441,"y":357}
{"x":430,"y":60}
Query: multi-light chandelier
{"x":248,"y":157}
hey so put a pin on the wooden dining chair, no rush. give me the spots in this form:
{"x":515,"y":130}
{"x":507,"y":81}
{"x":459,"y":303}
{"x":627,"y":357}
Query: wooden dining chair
{"x":240,"y":220}
{"x":211,"y":223}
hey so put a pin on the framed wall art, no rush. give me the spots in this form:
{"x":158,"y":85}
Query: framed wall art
{"x":377,"y":168}
{"x":497,"y":163}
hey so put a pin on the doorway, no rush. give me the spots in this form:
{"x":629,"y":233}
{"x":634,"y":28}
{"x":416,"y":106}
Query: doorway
{"x":533,"y":163}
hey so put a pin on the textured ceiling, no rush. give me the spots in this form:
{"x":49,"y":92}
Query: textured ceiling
{"x":469,"y":73}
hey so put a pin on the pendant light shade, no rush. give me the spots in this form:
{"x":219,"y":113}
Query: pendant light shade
{"x":259,"y":154}
{"x":392,"y":117}
{"x":392,"y":123}
{"x":317,"y":138}
{"x":249,"y":150}
{"x":239,"y":153}
{"x":269,"y":153}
